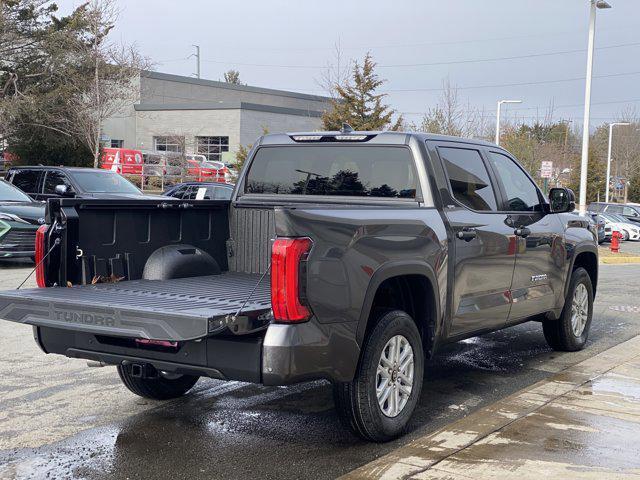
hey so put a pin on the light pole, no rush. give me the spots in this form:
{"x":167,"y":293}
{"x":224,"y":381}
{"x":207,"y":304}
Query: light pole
{"x":500,"y":102}
{"x":595,"y":4}
{"x":197,"y":55}
{"x":611,"y":125}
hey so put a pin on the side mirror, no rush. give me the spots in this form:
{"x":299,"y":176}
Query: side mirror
{"x":63,"y":191}
{"x":561,"y":200}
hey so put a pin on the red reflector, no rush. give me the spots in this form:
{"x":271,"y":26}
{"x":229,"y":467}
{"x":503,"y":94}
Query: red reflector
{"x":41,"y":248}
{"x":286,"y":255}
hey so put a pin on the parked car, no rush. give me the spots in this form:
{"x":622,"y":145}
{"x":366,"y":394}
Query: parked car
{"x":201,"y":191}
{"x":342,"y":256}
{"x":630,"y":231}
{"x":598,"y":224}
{"x":630,"y":212}
{"x":43,"y":183}
{"x":125,"y":161}
{"x":20,"y":217}
{"x":5,"y":163}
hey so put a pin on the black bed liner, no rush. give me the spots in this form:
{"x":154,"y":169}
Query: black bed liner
{"x":175,"y":310}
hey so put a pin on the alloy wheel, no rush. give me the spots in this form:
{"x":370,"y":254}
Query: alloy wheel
{"x":394,"y":377}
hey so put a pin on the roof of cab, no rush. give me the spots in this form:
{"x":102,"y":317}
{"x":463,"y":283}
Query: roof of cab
{"x":378,"y":137}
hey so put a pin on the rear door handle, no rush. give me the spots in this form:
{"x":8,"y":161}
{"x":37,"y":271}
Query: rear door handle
{"x":467,"y":234}
{"x":522,"y":232}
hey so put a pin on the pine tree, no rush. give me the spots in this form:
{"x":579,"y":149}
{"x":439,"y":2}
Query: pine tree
{"x":233,"y":77}
{"x":358,"y":104}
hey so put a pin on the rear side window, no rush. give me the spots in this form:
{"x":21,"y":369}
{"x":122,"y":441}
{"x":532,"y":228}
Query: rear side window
{"x":361,"y":171}
{"x":27,"y":180}
{"x":468,"y":178}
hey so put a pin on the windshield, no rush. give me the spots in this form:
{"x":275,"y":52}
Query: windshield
{"x":9,"y":193}
{"x":104,"y":182}
{"x":362,"y":171}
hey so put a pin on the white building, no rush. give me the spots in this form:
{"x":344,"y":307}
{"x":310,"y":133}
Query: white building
{"x":208,"y":117}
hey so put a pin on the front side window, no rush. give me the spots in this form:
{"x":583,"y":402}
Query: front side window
{"x":212,"y":147}
{"x":468,"y":178}
{"x":358,"y":170}
{"x":168,"y":144}
{"x":614,"y":209}
{"x":52,"y":180}
{"x":521,"y":192}
{"x":629,"y":212}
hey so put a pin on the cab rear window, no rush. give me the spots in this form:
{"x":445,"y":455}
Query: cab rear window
{"x":358,"y":170}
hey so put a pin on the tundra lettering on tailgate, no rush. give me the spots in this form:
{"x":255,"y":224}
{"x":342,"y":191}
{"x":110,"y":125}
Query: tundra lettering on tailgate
{"x":85,"y":318}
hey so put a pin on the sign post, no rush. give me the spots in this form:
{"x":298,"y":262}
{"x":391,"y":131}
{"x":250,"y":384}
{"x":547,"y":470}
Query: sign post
{"x":546,"y":172}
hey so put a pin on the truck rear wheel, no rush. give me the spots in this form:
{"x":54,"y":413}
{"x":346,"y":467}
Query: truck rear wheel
{"x":379,"y":402}
{"x":570,"y":332}
{"x":158,"y":387}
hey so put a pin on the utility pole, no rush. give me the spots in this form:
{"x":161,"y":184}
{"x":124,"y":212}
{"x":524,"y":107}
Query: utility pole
{"x":197,"y":55}
{"x":594,"y":4}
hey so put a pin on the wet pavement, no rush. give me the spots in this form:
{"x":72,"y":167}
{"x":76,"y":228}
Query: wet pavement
{"x":580,"y":423}
{"x":60,"y":419}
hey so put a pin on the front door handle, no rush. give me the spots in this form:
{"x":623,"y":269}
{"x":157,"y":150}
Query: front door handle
{"x":523,"y":232}
{"x":467,"y":234}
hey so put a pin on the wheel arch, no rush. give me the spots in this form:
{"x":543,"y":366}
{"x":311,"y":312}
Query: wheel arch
{"x":416,"y":287}
{"x":587,"y":258}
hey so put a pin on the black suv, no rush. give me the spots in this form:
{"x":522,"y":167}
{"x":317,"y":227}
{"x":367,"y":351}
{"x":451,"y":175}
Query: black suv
{"x":42,"y":183}
{"x":630,"y":212}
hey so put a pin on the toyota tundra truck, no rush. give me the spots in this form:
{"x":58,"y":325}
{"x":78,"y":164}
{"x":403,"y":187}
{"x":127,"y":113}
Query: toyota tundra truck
{"x":346,"y":256}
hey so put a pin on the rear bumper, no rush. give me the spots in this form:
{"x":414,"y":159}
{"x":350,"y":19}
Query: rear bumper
{"x":285,"y":354}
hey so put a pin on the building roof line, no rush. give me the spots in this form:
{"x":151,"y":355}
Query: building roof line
{"x":155,"y":107}
{"x":230,"y":86}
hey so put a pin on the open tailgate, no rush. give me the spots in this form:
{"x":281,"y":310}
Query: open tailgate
{"x":174,"y":310}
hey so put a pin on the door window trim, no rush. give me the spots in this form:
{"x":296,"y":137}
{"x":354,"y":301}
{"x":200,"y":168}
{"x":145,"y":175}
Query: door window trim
{"x":503,"y":194}
{"x":490,"y":173}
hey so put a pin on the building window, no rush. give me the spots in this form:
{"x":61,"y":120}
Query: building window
{"x":168,"y":144}
{"x":212,"y":147}
{"x":117,"y":143}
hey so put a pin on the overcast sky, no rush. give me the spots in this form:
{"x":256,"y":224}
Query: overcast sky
{"x":287,"y":45}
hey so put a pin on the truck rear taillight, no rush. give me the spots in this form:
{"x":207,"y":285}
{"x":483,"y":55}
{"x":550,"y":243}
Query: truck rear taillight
{"x":41,"y":249}
{"x":287,"y":255}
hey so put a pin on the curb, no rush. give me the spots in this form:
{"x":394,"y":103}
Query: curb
{"x":420,"y":455}
{"x":619,"y":260}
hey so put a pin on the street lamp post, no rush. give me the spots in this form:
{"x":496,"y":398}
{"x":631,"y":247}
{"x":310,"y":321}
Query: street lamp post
{"x":608,"y":177}
{"x":500,"y":102}
{"x":595,"y":4}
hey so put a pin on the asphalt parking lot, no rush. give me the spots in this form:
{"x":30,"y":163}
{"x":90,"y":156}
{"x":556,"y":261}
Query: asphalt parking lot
{"x":61,"y":419}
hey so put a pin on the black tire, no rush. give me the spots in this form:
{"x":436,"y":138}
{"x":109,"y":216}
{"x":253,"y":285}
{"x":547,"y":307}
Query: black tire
{"x":356,"y":401}
{"x":157,"y":388}
{"x":559,"y":333}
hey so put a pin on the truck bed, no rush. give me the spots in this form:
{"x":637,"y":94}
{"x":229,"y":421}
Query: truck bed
{"x":174,"y":310}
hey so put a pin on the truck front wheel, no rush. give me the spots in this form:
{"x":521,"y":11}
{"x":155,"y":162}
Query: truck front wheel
{"x":570,"y":332}
{"x":379,"y":402}
{"x":158,"y":387}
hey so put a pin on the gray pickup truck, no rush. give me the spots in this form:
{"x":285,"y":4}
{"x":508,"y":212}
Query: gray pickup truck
{"x":345,"y":256}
